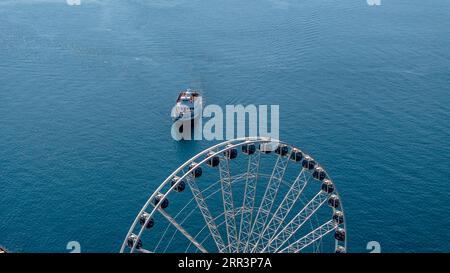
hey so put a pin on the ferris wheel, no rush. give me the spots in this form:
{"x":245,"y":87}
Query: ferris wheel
{"x":247,"y":195}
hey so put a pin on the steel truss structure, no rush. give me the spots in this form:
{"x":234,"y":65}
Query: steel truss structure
{"x":246,"y":209}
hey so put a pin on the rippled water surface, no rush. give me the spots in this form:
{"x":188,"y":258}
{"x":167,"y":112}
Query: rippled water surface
{"x":86,"y":92}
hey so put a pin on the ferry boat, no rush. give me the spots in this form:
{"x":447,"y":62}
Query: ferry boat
{"x":188,"y":106}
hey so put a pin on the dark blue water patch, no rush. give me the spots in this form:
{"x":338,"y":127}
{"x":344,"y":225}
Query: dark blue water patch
{"x":86,"y":92}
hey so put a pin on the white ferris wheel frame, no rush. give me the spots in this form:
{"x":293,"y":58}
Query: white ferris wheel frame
{"x":256,"y":233}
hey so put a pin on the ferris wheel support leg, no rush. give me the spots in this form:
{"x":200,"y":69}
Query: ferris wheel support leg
{"x":142,"y":250}
{"x":310,"y":238}
{"x":267,"y":201}
{"x":228,"y":203}
{"x":249,"y":199}
{"x":182,"y":230}
{"x":296,"y":223}
{"x":283,"y":210}
{"x":206,"y":213}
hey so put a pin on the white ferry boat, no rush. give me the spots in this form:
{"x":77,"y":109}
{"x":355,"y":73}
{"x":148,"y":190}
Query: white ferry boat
{"x":188,"y":107}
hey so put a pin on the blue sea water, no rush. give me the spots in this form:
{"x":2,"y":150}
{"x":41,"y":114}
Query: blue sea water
{"x":86,"y":92}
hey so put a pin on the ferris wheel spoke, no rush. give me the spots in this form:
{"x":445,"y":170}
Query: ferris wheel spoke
{"x":283,"y":210}
{"x":188,"y":214}
{"x":310,"y":238}
{"x":267,"y":201}
{"x":205,"y":212}
{"x":296,"y":223}
{"x":181,"y":212}
{"x":228,"y":203}
{"x":220,"y":224}
{"x":209,"y":235}
{"x":234,"y":180}
{"x":174,"y":233}
{"x":249,"y":199}
{"x":203,"y":229}
{"x":182,"y":230}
